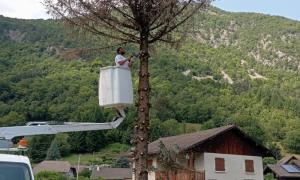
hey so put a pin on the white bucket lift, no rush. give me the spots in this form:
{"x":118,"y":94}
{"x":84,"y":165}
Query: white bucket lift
{"x":115,"y":87}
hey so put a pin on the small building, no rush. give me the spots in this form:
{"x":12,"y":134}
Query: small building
{"x":287,"y":159}
{"x":286,"y":169}
{"x":112,"y":173}
{"x":63,"y":167}
{"x":80,"y":168}
{"x":224,"y":153}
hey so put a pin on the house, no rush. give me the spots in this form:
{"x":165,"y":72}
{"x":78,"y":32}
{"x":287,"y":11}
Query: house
{"x":286,"y":169}
{"x":224,"y":153}
{"x":63,"y":167}
{"x":112,"y":173}
{"x":80,"y":168}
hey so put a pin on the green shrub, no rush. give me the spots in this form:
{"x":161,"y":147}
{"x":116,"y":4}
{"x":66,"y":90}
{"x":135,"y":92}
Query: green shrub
{"x":292,"y":141}
{"x":47,"y":175}
{"x":85,"y":173}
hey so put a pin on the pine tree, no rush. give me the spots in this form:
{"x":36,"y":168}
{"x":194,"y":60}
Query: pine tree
{"x":53,"y":152}
{"x":38,"y":146}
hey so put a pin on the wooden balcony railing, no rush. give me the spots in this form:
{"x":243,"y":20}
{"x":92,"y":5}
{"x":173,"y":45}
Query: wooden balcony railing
{"x":180,"y":175}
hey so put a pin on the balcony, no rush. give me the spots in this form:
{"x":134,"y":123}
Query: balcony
{"x":180,"y":175}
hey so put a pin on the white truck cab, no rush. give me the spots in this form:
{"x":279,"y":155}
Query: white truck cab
{"x":15,"y":167}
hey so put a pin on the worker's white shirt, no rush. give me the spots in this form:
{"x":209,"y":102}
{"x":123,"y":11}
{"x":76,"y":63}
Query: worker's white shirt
{"x":119,"y":58}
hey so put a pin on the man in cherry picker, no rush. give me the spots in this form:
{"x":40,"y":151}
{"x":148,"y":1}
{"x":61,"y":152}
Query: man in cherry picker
{"x":122,"y":61}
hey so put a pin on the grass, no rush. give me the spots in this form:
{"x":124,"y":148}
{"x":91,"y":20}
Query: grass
{"x":107,"y":155}
{"x":192,"y":127}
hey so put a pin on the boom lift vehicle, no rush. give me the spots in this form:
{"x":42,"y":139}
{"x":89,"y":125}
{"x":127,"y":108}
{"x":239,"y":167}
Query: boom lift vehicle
{"x":115,"y":91}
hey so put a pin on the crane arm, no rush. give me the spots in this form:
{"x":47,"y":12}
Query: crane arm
{"x":7,"y":133}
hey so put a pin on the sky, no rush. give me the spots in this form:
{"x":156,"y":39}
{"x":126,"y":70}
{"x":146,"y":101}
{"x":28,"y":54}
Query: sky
{"x":286,"y":8}
{"x":33,"y":9}
{"x":25,"y":9}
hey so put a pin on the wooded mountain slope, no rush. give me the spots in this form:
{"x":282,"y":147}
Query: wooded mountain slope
{"x":240,"y":68}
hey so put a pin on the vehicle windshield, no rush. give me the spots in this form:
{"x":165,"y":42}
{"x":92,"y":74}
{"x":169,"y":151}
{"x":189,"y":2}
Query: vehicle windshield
{"x":14,"y":171}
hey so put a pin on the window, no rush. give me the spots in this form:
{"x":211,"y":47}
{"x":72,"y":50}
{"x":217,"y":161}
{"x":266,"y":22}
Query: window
{"x":219,"y":164}
{"x":150,"y":163}
{"x":14,"y":171}
{"x":291,"y":168}
{"x":249,"y":166}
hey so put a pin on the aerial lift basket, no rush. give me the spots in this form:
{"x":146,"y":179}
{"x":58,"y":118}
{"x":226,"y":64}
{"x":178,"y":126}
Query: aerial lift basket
{"x":115,"y":87}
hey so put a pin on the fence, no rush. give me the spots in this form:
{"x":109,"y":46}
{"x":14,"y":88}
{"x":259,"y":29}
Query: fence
{"x":180,"y":175}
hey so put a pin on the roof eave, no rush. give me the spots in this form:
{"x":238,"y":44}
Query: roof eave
{"x":267,"y":152}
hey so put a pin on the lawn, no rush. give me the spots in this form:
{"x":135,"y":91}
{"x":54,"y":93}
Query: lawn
{"x":107,"y":155}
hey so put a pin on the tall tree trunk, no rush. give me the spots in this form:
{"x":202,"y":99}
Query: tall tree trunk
{"x":141,"y":134}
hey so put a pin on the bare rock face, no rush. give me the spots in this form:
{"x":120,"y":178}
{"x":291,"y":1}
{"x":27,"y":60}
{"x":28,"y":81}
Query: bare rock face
{"x":254,"y":75}
{"x":16,"y":35}
{"x":65,"y":53}
{"x":217,"y":37}
{"x":269,"y":49}
{"x":269,"y":55}
{"x":200,"y":78}
{"x":187,"y":72}
{"x":244,"y":63}
{"x":226,"y":77}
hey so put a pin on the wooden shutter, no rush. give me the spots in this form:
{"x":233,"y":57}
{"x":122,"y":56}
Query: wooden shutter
{"x":249,"y":165}
{"x":219,"y":164}
{"x":149,"y":163}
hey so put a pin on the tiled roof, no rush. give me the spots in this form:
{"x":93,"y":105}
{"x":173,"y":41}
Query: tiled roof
{"x":56,"y":166}
{"x":287,"y":159}
{"x":281,"y":172}
{"x":112,"y":173}
{"x":296,"y":162}
{"x":187,"y":141}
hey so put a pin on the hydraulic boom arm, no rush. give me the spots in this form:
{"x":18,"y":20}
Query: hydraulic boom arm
{"x":8,"y":133}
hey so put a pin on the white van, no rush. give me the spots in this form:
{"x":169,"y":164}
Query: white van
{"x":15,"y":167}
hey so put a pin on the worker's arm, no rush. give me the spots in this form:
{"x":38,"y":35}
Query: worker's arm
{"x":124,"y":61}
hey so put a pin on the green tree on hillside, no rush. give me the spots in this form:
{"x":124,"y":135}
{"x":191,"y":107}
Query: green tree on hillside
{"x":62,"y":141}
{"x":38,"y":147}
{"x":292,"y":141}
{"x":53,"y":152}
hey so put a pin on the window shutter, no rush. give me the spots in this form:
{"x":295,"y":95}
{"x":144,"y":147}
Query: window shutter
{"x":249,"y":165}
{"x":149,"y":163}
{"x":219,"y":164}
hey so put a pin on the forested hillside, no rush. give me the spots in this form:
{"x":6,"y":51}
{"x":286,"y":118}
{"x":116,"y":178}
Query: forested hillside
{"x":239,"y":68}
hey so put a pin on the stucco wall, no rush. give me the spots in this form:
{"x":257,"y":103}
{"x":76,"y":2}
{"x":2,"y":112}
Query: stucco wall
{"x":199,"y":162}
{"x":234,"y":167}
{"x":151,"y":174}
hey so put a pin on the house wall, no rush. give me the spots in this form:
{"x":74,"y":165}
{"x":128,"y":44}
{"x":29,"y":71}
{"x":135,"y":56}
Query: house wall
{"x":199,"y":162}
{"x":151,"y":174}
{"x":133,"y":166}
{"x":234,"y":147}
{"x":234,"y":167}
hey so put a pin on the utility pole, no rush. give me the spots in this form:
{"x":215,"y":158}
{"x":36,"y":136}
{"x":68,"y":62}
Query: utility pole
{"x":78,"y":164}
